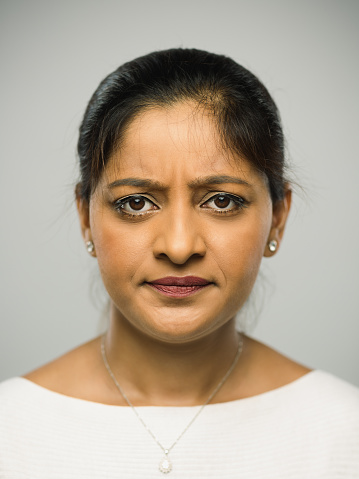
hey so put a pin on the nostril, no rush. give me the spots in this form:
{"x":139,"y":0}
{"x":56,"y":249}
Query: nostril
{"x":179,"y":247}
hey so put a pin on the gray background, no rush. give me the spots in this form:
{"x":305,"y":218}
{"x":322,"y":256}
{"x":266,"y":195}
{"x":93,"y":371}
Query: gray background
{"x":53,"y":55}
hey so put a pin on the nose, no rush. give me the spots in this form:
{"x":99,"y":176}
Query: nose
{"x":179,"y":238}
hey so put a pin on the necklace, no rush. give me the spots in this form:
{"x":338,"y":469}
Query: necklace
{"x":165,"y":466}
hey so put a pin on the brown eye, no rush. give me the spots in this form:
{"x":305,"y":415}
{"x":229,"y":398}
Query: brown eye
{"x":222,"y":201}
{"x":225,"y":203}
{"x":136,"y":204}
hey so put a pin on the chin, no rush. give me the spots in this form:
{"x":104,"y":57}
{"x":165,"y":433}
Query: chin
{"x":180,"y":330}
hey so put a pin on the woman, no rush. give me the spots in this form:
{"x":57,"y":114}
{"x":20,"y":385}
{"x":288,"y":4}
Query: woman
{"x":182,"y":193}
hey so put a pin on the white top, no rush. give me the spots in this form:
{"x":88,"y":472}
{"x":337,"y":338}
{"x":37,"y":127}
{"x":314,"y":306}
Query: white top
{"x":306,"y":429}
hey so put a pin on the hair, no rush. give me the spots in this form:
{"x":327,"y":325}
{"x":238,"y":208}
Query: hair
{"x":247,"y":118}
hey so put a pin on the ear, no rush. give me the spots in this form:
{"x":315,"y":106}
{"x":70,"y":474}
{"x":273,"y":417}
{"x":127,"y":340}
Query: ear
{"x":279,"y":219}
{"x":83,"y":209}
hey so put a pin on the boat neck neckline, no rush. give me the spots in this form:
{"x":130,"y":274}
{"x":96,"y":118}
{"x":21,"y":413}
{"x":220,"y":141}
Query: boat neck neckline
{"x":258,"y":397}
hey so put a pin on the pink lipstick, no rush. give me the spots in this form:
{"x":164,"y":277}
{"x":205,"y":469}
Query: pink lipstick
{"x":179,"y":287}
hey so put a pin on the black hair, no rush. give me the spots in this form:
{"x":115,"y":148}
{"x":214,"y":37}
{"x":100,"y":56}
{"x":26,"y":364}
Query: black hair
{"x":247,"y":117}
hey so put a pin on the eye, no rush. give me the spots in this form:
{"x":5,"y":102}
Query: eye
{"x":135,"y":205}
{"x":225,"y":203}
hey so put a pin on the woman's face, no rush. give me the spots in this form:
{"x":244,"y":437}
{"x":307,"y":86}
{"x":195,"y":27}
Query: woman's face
{"x":179,"y":226}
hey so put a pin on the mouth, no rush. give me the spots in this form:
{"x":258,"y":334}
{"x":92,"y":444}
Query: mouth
{"x":179,"y":287}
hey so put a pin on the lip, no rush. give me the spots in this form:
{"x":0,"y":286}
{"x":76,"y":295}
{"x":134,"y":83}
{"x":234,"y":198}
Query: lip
{"x":179,"y":287}
{"x":181,"y":281}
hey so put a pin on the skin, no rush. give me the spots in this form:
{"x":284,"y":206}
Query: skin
{"x":204,"y":214}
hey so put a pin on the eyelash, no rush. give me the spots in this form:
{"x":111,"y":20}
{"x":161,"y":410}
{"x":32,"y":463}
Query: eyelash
{"x":239,"y":204}
{"x":119,"y":206}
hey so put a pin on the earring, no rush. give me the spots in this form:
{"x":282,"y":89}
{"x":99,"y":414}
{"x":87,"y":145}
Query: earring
{"x":90,"y":247}
{"x":272,"y":245}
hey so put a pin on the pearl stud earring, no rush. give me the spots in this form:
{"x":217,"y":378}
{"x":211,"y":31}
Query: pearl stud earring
{"x":272,"y":245}
{"x":90,"y":247}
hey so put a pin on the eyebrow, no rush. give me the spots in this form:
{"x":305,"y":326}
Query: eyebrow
{"x":198,"y":182}
{"x":217,"y":180}
{"x":141,"y":182}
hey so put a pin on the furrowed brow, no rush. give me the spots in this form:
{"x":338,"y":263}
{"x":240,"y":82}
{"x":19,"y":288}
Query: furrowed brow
{"x":217,"y":180}
{"x":140,"y":182}
{"x":154,"y":184}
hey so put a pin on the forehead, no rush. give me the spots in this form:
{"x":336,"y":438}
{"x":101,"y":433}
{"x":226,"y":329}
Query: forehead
{"x":176,"y":144}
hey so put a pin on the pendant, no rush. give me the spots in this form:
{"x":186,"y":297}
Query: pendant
{"x":165,"y":465}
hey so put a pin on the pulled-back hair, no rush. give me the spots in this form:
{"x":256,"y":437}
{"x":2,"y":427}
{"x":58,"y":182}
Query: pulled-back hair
{"x":246,"y":115}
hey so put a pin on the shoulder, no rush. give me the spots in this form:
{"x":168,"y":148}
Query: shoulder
{"x":333,"y":386}
{"x":327,"y":414}
{"x":323,"y":410}
{"x":12,"y":389}
{"x":266,"y":369}
{"x":78,"y":373}
{"x":298,"y":386}
{"x":332,"y":394}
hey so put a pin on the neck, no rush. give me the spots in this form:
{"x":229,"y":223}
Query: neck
{"x":153,"y":372}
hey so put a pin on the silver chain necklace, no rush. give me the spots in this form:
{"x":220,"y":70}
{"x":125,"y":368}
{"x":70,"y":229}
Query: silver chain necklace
{"x":165,"y":465}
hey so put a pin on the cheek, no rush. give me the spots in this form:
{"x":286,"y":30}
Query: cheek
{"x":239,"y":250}
{"x":119,"y":252}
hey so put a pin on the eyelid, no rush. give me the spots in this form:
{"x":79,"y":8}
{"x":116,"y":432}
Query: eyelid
{"x":135,"y":195}
{"x":239,"y":204}
{"x":239,"y":201}
{"x":120,"y":202}
{"x":233,"y":196}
